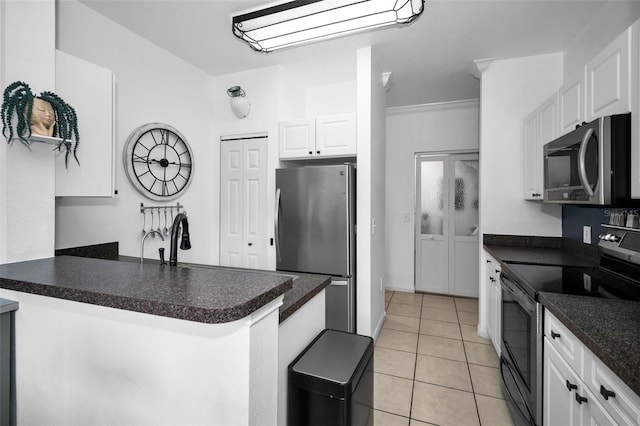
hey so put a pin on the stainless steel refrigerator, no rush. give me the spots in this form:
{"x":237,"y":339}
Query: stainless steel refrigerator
{"x":315,"y":233}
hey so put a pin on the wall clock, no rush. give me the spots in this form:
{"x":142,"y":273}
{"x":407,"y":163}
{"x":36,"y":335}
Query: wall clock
{"x":158,"y":161}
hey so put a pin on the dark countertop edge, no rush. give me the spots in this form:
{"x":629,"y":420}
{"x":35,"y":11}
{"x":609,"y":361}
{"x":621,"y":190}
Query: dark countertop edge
{"x":588,"y":252}
{"x":152,"y":307}
{"x":291,"y":303}
{"x":629,"y":376}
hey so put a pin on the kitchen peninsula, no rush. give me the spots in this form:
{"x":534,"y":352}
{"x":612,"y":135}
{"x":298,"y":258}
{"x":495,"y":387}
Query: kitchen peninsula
{"x":113,"y":342}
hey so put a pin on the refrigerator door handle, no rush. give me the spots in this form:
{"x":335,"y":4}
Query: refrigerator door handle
{"x":277,"y":224}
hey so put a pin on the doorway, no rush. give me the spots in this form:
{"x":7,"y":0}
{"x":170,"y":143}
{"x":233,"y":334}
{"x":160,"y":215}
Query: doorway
{"x":243,"y":201}
{"x":446,"y":232}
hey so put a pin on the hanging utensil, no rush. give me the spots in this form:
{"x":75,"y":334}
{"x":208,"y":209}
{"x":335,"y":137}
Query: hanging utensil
{"x":159,"y":229}
{"x":166,"y":230}
{"x":144,"y":223}
{"x":153,"y":235}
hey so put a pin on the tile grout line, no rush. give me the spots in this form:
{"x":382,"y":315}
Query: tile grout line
{"x":475,"y":400}
{"x":415,"y":362}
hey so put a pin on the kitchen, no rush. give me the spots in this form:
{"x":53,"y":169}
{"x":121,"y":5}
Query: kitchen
{"x":150,"y":92}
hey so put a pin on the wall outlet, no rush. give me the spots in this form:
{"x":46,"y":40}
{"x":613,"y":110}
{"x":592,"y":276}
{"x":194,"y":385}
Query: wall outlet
{"x":586,"y":234}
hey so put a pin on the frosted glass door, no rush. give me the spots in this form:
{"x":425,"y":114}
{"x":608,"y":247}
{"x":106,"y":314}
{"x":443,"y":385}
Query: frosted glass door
{"x":447,"y":211}
{"x":432,"y":241}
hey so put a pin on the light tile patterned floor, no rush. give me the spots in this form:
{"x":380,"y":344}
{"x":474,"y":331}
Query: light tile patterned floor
{"x":431,"y":367}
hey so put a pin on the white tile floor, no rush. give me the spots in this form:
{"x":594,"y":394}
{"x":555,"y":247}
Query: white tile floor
{"x":431,"y":368}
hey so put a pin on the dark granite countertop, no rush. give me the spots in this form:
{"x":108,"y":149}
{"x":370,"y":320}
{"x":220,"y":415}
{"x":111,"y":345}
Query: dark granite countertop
{"x":304,"y":287}
{"x":609,"y":328}
{"x":202,"y":294}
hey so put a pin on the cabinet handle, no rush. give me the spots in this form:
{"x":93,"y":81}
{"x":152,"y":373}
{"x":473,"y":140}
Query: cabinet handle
{"x":492,"y":279}
{"x":317,"y":152}
{"x":497,"y":271}
{"x":554,"y":335}
{"x":606,"y":393}
{"x":310,"y":152}
{"x":571,"y":386}
{"x":250,"y":244}
{"x":580,"y":399}
{"x":488,"y":261}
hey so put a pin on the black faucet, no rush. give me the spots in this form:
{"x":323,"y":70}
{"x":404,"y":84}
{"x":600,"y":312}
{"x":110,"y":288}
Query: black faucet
{"x":185,"y":244}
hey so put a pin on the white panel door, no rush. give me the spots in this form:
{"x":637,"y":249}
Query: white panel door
{"x":243,"y":201}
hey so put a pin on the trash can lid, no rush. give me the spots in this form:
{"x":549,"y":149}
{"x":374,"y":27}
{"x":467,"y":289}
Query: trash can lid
{"x":334,"y":356}
{"x":7,"y":305}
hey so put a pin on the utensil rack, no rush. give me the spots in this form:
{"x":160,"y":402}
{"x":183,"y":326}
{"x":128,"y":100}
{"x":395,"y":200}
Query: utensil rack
{"x":178,"y":206}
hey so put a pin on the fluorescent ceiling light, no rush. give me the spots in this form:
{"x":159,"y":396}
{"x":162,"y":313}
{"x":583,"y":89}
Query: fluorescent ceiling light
{"x":304,"y":21}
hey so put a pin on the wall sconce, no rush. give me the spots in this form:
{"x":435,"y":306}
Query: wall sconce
{"x":240,"y":103}
{"x":304,"y":21}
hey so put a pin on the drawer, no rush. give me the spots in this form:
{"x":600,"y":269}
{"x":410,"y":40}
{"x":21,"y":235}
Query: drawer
{"x":624,"y":407}
{"x":565,"y":342}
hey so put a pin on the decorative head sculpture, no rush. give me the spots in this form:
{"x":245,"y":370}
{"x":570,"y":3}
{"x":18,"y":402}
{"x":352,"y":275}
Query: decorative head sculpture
{"x":24,"y":114}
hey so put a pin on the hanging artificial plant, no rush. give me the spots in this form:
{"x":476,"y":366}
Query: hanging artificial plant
{"x":24,"y":114}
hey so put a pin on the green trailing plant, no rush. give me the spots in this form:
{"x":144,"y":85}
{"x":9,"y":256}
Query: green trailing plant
{"x":17,"y":109}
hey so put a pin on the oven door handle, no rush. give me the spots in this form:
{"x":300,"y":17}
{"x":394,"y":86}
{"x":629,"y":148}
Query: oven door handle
{"x":582,"y":164}
{"x":527,"y":415}
{"x":518,"y":295}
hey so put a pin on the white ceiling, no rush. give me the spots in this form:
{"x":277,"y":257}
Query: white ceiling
{"x":430,"y":60}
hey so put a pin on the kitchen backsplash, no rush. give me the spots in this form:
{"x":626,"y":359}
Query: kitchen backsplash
{"x":575,"y":217}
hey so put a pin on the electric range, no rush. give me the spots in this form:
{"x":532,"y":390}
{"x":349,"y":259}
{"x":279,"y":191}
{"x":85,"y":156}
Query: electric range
{"x":616,"y":276}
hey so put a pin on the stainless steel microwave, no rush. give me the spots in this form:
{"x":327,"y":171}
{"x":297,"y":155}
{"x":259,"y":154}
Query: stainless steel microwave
{"x":590,"y":165}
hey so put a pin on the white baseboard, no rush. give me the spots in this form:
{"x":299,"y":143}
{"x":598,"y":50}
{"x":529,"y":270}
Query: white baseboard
{"x":403,"y":289}
{"x":378,"y":329}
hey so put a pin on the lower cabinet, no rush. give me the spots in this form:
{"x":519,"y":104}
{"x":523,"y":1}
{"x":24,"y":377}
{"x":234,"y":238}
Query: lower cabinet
{"x":494,"y":302}
{"x":566,"y":399}
{"x":578,"y":389}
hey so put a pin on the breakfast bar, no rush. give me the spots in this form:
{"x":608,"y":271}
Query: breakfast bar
{"x":131,"y":343}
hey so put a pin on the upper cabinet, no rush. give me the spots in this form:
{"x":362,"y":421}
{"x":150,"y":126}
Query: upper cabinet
{"x":89,"y":88}
{"x":572,"y":104}
{"x":608,"y":79}
{"x":539,"y":127}
{"x":327,"y":136}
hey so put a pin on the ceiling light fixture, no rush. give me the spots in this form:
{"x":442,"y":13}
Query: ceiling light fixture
{"x":304,"y":21}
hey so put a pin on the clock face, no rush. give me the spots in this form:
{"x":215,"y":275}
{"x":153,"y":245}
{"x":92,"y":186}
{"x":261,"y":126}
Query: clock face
{"x":158,"y":161}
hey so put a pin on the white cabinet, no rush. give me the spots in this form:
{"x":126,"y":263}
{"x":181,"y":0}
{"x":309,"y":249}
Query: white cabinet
{"x":608,"y":79}
{"x":321,"y":137}
{"x":90,"y":89}
{"x":578,"y":389}
{"x":566,"y":400}
{"x":532,"y":187}
{"x":572,"y":104}
{"x":494,"y":302}
{"x":539,"y":128}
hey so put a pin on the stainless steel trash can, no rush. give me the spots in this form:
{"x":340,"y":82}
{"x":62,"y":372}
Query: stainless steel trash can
{"x":7,"y":387}
{"x":331,"y":382}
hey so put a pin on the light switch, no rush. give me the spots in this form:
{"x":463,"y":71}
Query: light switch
{"x":586,"y":234}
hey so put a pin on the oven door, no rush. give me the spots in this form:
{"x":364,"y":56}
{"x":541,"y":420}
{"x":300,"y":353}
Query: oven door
{"x":521,"y":362}
{"x":573,"y":166}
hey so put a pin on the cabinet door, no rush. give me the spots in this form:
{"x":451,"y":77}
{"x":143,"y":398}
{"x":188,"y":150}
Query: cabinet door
{"x":90,"y":90}
{"x":591,"y":412}
{"x":297,"y":138}
{"x":559,"y":406}
{"x":336,"y":135}
{"x":572,"y":102}
{"x":532,"y":191}
{"x":608,"y":74}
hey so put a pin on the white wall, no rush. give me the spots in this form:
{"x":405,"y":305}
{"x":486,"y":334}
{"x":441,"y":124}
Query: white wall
{"x":511,"y":89}
{"x":611,"y":20}
{"x":27,"y":173}
{"x":448,"y":126}
{"x":152,"y":85}
{"x":371,"y":135}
